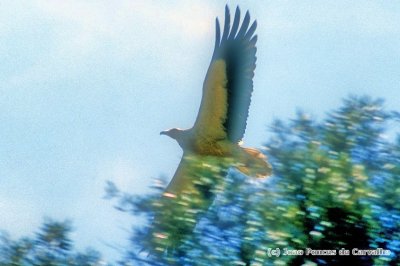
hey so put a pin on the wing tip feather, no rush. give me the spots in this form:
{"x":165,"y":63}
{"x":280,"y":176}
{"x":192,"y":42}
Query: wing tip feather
{"x":227,"y":23}
{"x":235,"y":26}
{"x":217,"y":33}
{"x":237,"y":39}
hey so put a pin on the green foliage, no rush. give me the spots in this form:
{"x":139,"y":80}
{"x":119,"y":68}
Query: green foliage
{"x":51,"y":246}
{"x":325,"y":174}
{"x":335,"y":185}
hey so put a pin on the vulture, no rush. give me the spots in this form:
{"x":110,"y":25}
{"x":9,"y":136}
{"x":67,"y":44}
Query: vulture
{"x":213,"y":144}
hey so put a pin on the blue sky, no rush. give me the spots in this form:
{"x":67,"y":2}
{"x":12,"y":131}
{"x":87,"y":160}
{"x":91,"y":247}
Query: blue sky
{"x":86,"y":87}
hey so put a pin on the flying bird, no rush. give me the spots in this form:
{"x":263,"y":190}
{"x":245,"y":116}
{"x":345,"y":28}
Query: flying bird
{"x":213,"y":144}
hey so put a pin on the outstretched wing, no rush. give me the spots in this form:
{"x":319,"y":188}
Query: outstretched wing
{"x":188,"y":195}
{"x":228,"y":84}
{"x":197,"y":176}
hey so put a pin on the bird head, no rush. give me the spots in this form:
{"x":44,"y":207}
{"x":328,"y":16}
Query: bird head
{"x":173,"y":133}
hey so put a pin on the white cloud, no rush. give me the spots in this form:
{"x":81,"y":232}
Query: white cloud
{"x":83,"y":32}
{"x":121,"y":172}
{"x":167,"y":31}
{"x":124,"y":172}
{"x":129,"y":26}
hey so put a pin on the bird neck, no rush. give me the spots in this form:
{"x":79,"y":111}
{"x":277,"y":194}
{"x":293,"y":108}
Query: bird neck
{"x":182,"y":137}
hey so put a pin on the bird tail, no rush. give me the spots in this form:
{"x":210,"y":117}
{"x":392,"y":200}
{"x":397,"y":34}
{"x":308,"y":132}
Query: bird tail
{"x":254,"y":163}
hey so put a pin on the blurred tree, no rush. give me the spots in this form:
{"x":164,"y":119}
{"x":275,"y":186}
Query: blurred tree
{"x":50,"y":247}
{"x":335,"y":185}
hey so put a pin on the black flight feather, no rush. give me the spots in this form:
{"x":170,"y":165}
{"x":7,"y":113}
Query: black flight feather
{"x":237,"y":49}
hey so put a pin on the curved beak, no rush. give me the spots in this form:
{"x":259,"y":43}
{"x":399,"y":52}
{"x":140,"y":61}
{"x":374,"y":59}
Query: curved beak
{"x":163,"y":133}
